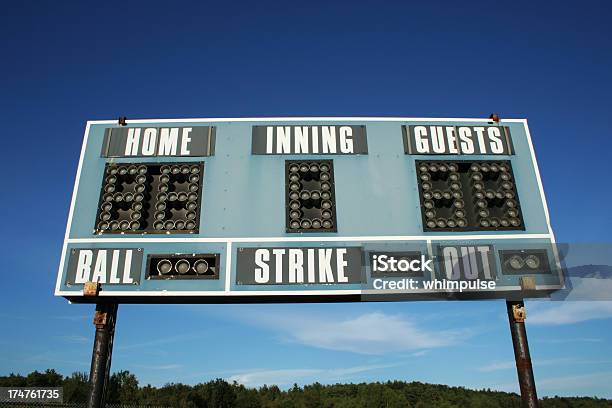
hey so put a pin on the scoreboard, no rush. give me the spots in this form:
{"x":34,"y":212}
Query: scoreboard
{"x":307,"y":209}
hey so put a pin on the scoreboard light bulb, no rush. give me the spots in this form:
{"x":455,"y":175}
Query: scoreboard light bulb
{"x":460,"y":214}
{"x":124,"y":225}
{"x":503,"y":168}
{"x":479,"y":195}
{"x":106,"y":206}
{"x":516,"y":262}
{"x":427,"y":195}
{"x":138,"y":197}
{"x":137,"y":206}
{"x":508,"y":194}
{"x":142,"y":169}
{"x":484,"y":168}
{"x":453,"y":177}
{"x":431,"y":224}
{"x":478,"y":186}
{"x":165,"y":169}
{"x":446,"y":195}
{"x":512,"y":213}
{"x":192,"y":196}
{"x":103,"y":226}
{"x":112,"y":170}
{"x":294,"y":186}
{"x":164,"y":178}
{"x":161,"y":206}
{"x":105,"y":216}
{"x":175,"y":170}
{"x":325,"y":186}
{"x":193,"y":187}
{"x":455,"y":186}
{"x":315,"y":195}
{"x":475,"y":168}
{"x":294,"y":195}
{"x":461,"y":223}
{"x":325,"y":205}
{"x":182,"y":196}
{"x":433,"y":168}
{"x":191,"y":205}
{"x":504,"y":222}
{"x":195,"y":169}
{"x":179,"y":224}
{"x":118,"y":197}
{"x":295,"y":215}
{"x":490,"y":194}
{"x":122,"y":171}
{"x":168,"y":225}
{"x":185,"y":169}
{"x":459,"y":204}
{"x":305,"y":195}
{"x":200,"y":266}
{"x":191,"y":215}
{"x":326,"y":214}
{"x":481,"y":204}
{"x":182,"y":266}
{"x":426,"y":186}
{"x":483,"y":213}
{"x":316,"y":223}
{"x":423,"y":168}
{"x":295,"y":205}
{"x":499,"y":195}
{"x":295,"y":224}
{"x":324,"y":167}
{"x":158,"y":225}
{"x":294,"y":177}
{"x":325,"y":195}
{"x":441,"y":223}
{"x":532,"y":262}
{"x":194,"y":178}
{"x":162,"y":187}
{"x":135,"y":215}
{"x":128,"y":197}
{"x":304,"y":168}
{"x":190,"y":225}
{"x":294,"y":168}
{"x":132,"y":170}
{"x":506,"y":185}
{"x":324,"y":176}
{"x":477,"y":176}
{"x":164,"y":266}
{"x":327,"y":224}
{"x":111,"y":179}
{"x":306,"y":224}
{"x":162,"y":197}
{"x":457,"y":195}
{"x":452,"y":167}
{"x":160,"y":215}
{"x":172,"y":196}
{"x":485,"y":223}
{"x":493,"y":167}
{"x":494,"y":222}
{"x":314,"y":168}
{"x":515,"y":222}
{"x":451,"y":223}
{"x":430,"y":214}
{"x":428,"y":204}
{"x":139,"y":188}
{"x":134,"y":225}
{"x":510,"y":203}
{"x":437,"y":195}
{"x":442,"y":168}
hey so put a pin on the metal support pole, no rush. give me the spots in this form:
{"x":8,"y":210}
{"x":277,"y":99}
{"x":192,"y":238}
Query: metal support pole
{"x":516,"y":317}
{"x":104,"y":320}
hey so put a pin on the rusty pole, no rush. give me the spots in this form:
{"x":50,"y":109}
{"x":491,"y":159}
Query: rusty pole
{"x":516,"y":317}
{"x":104,"y":320}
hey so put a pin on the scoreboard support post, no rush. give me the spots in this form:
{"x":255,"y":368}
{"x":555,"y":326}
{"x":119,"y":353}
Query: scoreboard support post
{"x":516,"y":318}
{"x":104,"y":320}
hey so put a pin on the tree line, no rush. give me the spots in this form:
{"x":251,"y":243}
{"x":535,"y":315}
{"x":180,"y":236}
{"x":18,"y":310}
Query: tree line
{"x":124,"y":388}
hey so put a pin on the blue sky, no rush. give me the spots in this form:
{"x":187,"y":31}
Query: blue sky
{"x":65,"y":63}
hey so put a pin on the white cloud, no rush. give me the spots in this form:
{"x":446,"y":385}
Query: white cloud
{"x":283,"y":377}
{"x":559,"y":313}
{"x":369,"y":333}
{"x":570,"y":361}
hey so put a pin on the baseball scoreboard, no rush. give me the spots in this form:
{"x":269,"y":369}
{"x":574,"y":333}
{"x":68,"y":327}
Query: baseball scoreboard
{"x":307,"y":209}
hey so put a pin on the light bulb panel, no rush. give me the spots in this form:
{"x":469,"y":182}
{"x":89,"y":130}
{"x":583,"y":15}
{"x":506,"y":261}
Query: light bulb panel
{"x":183,"y":266}
{"x":310,"y":199}
{"x":482,"y":192}
{"x":150,"y":198}
{"x":524,"y":262}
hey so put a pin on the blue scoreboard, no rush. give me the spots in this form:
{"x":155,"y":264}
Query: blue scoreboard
{"x":307,"y":209}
